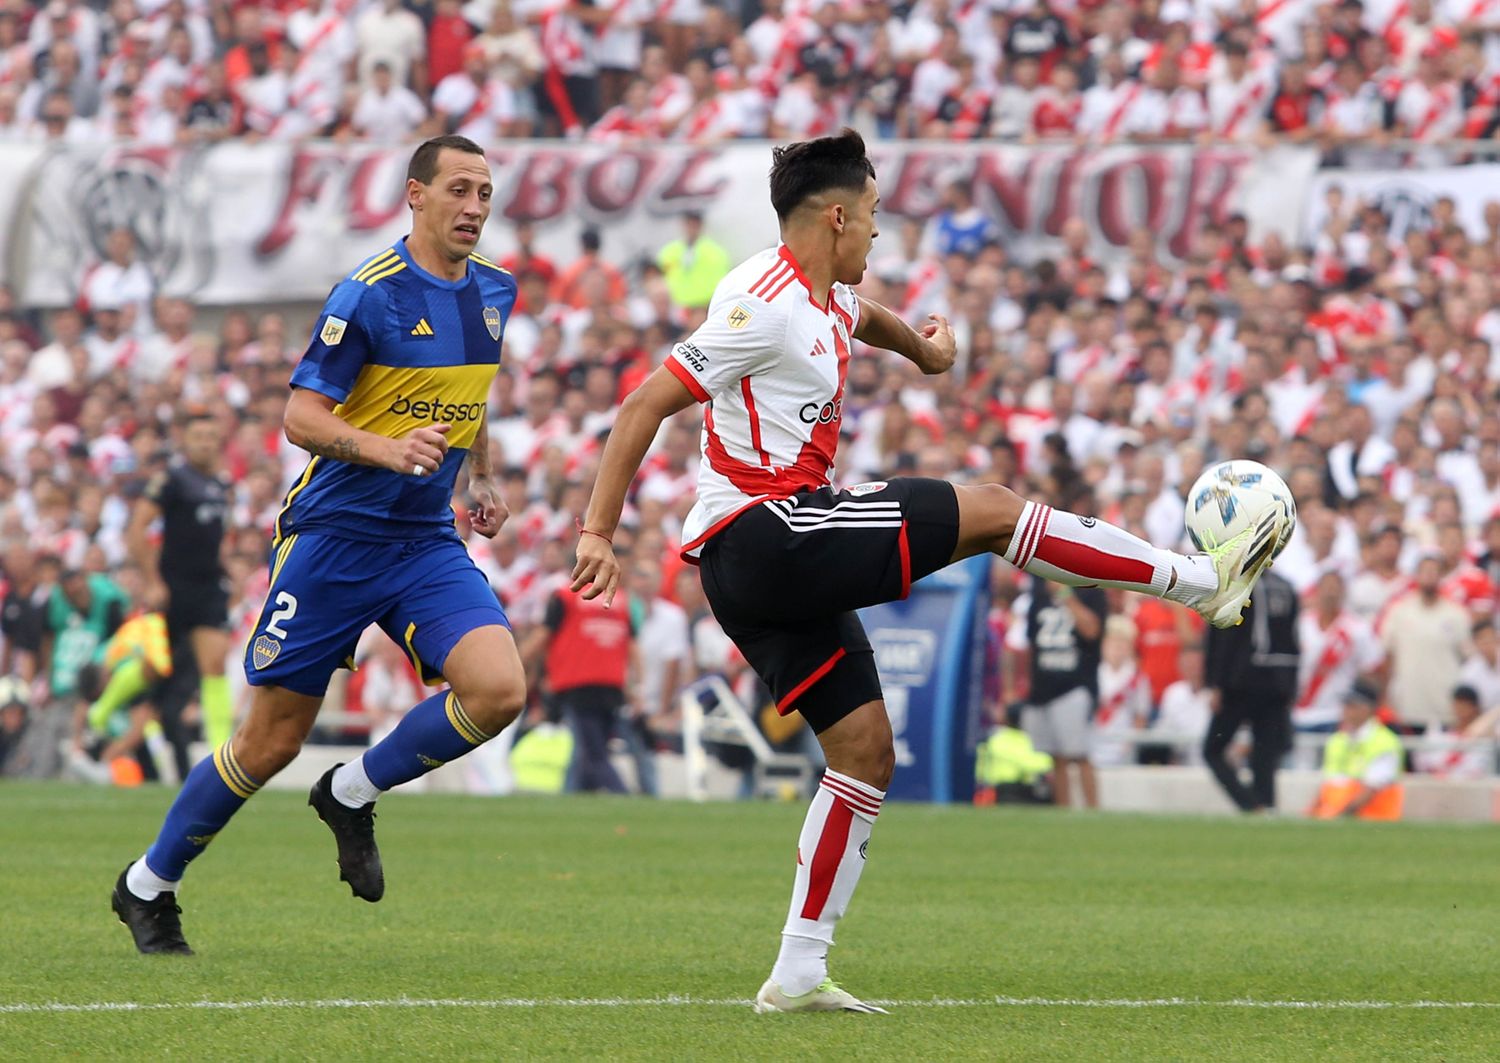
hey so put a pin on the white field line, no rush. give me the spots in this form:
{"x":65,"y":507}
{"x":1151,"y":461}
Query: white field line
{"x":54,"y":1007}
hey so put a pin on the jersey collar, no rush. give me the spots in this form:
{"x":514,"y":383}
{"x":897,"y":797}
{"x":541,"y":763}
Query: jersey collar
{"x":441,"y":282}
{"x":785,"y":253}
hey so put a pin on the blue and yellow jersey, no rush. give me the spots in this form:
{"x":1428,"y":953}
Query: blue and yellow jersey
{"x":398,"y":348}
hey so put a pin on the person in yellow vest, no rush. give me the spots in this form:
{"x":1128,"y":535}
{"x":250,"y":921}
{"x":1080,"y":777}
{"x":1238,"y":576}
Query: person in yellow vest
{"x":132,"y":666}
{"x":693,"y":265}
{"x":1008,"y":768}
{"x":1362,"y":764}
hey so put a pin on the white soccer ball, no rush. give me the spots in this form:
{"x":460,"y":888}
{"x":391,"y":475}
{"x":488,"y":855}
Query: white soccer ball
{"x":1232,"y":496}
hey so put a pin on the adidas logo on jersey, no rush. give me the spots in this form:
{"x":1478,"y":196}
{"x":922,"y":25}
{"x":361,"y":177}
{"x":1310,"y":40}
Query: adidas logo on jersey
{"x":818,"y":349}
{"x":422,"y":329}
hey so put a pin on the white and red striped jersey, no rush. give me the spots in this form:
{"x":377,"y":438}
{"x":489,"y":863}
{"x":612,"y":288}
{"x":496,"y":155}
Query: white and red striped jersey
{"x":1124,"y":704}
{"x":1332,"y":659}
{"x":482,"y":110}
{"x":670,"y":99}
{"x":771,"y":361}
{"x":1235,"y":108}
{"x":1430,"y":112}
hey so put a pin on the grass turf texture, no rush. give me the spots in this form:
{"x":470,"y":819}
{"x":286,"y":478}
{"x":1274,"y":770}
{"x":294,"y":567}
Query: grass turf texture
{"x":601,"y":898}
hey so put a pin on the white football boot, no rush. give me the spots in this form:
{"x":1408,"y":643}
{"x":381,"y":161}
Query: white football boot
{"x":826,"y":997}
{"x":1239,"y":563}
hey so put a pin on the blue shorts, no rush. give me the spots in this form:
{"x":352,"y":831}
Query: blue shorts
{"x":425,"y":594}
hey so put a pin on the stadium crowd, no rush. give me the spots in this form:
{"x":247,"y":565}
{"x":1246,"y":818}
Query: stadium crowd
{"x":175,"y":71}
{"x":1364,"y":368}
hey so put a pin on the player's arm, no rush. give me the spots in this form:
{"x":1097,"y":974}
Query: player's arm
{"x":931,"y":350}
{"x":489,"y":510}
{"x":641,"y":415}
{"x":311,"y":424}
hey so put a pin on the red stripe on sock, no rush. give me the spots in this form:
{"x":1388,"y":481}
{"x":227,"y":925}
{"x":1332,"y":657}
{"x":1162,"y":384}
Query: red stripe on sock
{"x":1094,"y":565}
{"x":1022,"y":534}
{"x":1044,"y":521}
{"x":862,"y":802}
{"x":832,"y":841}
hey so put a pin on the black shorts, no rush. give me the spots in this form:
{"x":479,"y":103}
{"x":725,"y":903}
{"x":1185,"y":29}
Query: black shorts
{"x":785,"y":578}
{"x":197,"y":604}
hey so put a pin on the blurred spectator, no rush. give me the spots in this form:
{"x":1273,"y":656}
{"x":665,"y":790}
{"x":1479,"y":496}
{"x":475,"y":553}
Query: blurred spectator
{"x":1337,"y":649}
{"x":1481,"y":670}
{"x":391,"y":35}
{"x":1362,"y":764}
{"x":1426,"y":638}
{"x":693,"y":265}
{"x":1059,"y":629}
{"x":568,"y":288}
{"x":1457,"y":750}
{"x":1187,"y":706}
{"x":1124,"y":695}
{"x":387,"y":112}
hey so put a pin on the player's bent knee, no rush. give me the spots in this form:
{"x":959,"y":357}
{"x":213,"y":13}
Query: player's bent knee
{"x":988,"y":512}
{"x":266,"y":755}
{"x":494,"y":707}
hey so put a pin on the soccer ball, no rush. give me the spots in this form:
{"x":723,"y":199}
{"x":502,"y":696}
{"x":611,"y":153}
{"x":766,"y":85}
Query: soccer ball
{"x":1230,"y":497}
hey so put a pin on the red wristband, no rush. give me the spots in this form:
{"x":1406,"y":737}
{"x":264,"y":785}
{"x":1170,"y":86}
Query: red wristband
{"x":584,"y":531}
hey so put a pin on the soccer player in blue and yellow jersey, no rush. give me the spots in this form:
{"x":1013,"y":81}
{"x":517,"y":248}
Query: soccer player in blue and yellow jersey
{"x":388,"y":400}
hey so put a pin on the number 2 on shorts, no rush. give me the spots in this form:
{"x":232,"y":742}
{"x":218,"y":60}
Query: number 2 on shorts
{"x":287,"y":610}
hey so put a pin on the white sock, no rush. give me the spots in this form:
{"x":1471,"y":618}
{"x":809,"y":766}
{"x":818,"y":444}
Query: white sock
{"x":830,"y":857}
{"x":351,"y":787}
{"x":145,"y":883}
{"x":1087,"y":552}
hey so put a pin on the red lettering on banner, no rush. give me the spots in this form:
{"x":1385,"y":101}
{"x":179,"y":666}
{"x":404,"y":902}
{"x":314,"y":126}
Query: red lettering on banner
{"x":1064,"y":189}
{"x":615,"y":182}
{"x":541,"y":190}
{"x":1120,"y":197}
{"x":916,"y":191}
{"x":688,"y":184}
{"x":1011,"y":192}
{"x":384,"y":176}
{"x":304,"y":184}
{"x":1212,"y":178}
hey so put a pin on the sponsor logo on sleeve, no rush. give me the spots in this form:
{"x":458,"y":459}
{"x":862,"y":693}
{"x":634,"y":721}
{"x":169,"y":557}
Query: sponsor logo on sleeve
{"x":690,"y":354}
{"x":333,"y":331}
{"x":739,"y":317}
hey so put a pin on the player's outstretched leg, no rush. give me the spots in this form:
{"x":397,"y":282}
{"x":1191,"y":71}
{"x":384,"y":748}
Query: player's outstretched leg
{"x":145,"y":895}
{"x":831,"y":854}
{"x":1085,"y":551}
{"x":488,"y":692}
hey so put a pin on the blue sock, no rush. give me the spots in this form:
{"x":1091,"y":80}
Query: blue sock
{"x":434,"y":732}
{"x":214,"y":791}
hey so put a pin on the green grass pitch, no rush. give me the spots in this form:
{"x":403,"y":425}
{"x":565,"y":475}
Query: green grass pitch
{"x":634,"y":928}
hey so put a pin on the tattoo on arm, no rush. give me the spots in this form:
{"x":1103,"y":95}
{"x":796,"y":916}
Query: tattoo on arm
{"x":479,"y":452}
{"x":340,"y":448}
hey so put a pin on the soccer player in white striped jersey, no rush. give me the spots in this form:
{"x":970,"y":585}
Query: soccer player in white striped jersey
{"x":786,"y":559}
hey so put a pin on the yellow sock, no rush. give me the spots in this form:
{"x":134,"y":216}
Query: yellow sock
{"x":126,"y":683}
{"x":218,"y":710}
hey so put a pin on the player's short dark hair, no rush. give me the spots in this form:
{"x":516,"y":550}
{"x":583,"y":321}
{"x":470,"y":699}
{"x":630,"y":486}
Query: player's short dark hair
{"x":424,"y":161}
{"x":810,"y":167}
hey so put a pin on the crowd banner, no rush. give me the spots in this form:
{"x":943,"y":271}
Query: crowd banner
{"x":929,"y":650}
{"x":261,"y":222}
{"x":1406,"y":196}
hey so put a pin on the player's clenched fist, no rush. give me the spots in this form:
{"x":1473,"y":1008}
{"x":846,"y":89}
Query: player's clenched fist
{"x":942,"y":345}
{"x":597,"y":568}
{"x":420,"y":452}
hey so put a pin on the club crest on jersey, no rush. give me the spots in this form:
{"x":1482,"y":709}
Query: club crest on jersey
{"x":739,"y":317}
{"x":867,"y":489}
{"x":265,"y":650}
{"x":492,"y":321}
{"x":333,"y":331}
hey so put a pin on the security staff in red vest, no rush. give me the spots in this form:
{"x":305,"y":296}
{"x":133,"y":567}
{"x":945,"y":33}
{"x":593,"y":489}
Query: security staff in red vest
{"x":590,"y":652}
